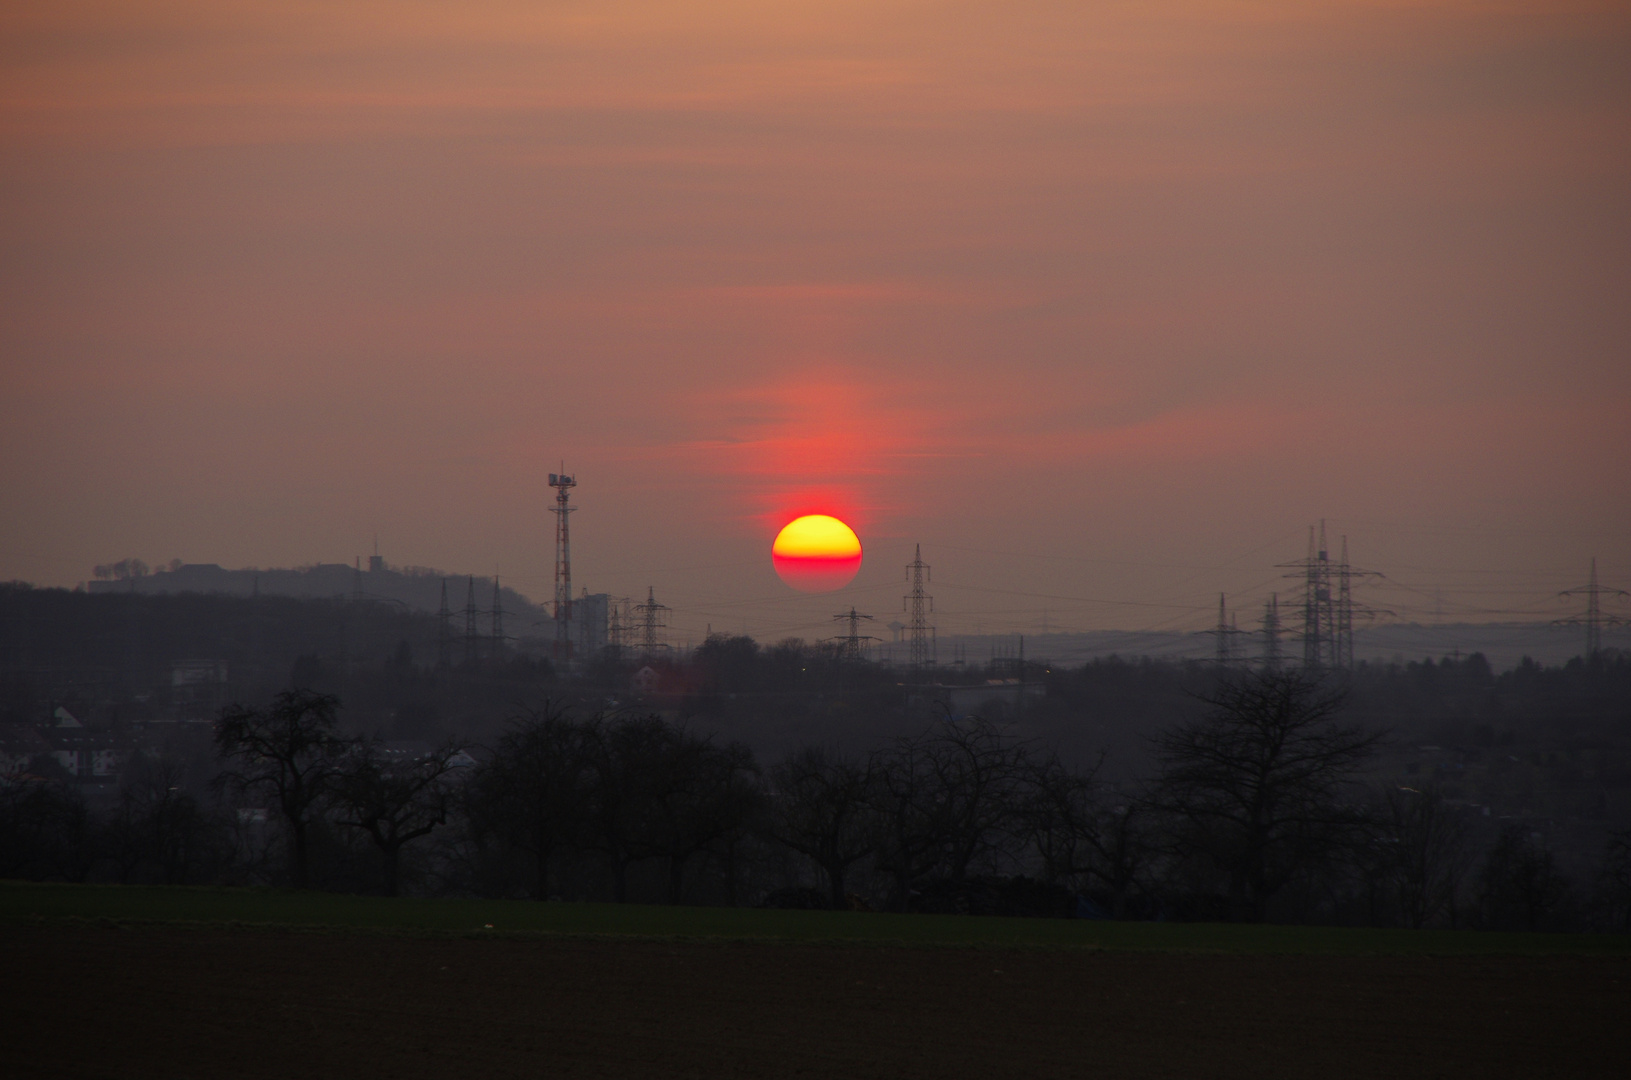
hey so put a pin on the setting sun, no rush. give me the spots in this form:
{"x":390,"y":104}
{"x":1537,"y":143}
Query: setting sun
{"x":816,"y":553}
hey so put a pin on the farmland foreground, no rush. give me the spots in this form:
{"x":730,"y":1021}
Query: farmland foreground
{"x":155,"y":1001}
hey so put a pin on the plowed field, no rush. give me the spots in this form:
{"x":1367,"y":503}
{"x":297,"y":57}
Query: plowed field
{"x":178,"y":1003}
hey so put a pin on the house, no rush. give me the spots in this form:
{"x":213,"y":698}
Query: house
{"x":198,"y":689}
{"x":646,"y":680}
{"x":19,"y":745}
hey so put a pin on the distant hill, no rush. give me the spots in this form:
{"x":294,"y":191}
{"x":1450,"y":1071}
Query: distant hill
{"x":1504,"y":645}
{"x":415,"y":588}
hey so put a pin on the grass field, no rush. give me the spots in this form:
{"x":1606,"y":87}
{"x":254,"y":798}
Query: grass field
{"x":24,"y":902}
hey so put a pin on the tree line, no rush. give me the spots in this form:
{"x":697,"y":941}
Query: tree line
{"x":1258,"y":808}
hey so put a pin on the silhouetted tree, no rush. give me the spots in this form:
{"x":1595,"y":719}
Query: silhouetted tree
{"x":290,"y":752}
{"x":627,"y":757}
{"x":700,"y":801}
{"x":1424,"y":855}
{"x":46,"y":831}
{"x":1520,"y":887}
{"x":1082,"y":837}
{"x":1256,"y":786}
{"x":1612,"y":893}
{"x":159,"y":831}
{"x":818,"y":808}
{"x":942,"y":799}
{"x":395,"y":802}
{"x":535,"y":793}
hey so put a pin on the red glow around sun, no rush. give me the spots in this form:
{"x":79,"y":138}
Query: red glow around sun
{"x":816,"y":553}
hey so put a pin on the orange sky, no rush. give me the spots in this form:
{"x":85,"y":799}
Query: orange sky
{"x":1101,"y":303}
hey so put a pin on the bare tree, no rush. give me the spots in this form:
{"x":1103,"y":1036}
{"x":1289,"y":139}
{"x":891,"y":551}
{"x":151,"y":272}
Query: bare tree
{"x":395,"y":802}
{"x":910,"y":816}
{"x":290,"y":752}
{"x":1257,"y":786}
{"x":627,"y":759}
{"x":1425,"y":857}
{"x":535,"y":791}
{"x":943,"y":799}
{"x":818,"y":808}
{"x":1520,"y":886}
{"x":1086,"y":833}
{"x":702,"y":798}
{"x":1612,"y":889}
{"x":158,"y":829}
{"x":46,"y":830}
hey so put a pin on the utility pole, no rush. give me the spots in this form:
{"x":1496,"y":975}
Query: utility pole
{"x":920,"y":635}
{"x":562,"y":510}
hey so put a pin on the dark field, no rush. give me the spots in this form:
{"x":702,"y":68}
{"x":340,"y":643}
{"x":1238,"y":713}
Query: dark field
{"x":87,"y":1000}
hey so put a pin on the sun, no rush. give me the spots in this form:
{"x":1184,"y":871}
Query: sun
{"x":816,"y":553}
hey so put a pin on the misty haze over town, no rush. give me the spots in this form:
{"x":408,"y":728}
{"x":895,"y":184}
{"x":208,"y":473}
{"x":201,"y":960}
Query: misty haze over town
{"x":857,"y":540}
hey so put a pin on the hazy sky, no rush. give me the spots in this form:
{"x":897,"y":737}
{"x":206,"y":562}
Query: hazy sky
{"x":1102,"y":303}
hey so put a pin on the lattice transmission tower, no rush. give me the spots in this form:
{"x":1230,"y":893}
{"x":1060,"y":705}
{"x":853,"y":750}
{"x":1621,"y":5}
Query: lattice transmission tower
{"x":562,"y":510}
{"x":919,"y":606}
{"x":1225,"y":632}
{"x":849,"y":645}
{"x":1271,"y":633}
{"x":1328,"y":605}
{"x":619,"y":625}
{"x":1594,"y":620}
{"x":650,"y":617}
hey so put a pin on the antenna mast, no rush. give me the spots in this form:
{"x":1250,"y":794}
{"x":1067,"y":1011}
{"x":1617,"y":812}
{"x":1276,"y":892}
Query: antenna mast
{"x":563,"y":486}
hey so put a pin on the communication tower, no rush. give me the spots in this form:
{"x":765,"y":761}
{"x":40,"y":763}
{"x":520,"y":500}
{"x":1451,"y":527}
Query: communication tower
{"x":562,"y":510}
{"x":919,"y":634}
